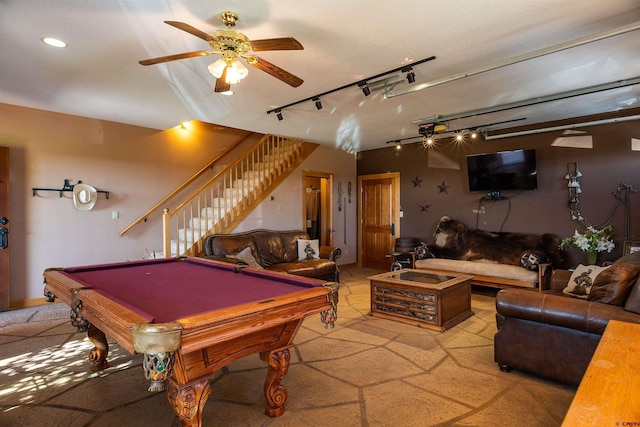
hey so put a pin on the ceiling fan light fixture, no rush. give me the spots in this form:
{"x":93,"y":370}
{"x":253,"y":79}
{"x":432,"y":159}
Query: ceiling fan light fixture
{"x":236,"y":72}
{"x":217,"y":68}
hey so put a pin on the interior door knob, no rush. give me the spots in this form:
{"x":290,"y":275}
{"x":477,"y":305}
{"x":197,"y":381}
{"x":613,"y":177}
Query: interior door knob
{"x":3,"y":220}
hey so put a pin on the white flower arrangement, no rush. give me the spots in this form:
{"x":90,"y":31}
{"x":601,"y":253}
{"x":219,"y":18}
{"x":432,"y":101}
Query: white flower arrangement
{"x":591,"y":241}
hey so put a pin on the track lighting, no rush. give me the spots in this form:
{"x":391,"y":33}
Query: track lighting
{"x":365,"y":87}
{"x":364,"y":84}
{"x":279,"y":115}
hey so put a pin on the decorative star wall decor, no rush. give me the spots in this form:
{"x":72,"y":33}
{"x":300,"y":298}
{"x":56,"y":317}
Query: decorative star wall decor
{"x":424,"y":207}
{"x":416,"y":182}
{"x":443,"y":188}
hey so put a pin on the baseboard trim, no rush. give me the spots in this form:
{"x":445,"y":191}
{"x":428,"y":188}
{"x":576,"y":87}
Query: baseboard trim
{"x":15,"y":305}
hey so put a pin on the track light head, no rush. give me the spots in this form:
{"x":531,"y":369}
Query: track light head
{"x":317,"y":102}
{"x":411,"y":76}
{"x":279,"y":115}
{"x":365,"y":87}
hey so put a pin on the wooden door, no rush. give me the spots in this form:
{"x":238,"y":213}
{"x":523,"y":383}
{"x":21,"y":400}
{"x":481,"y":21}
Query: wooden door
{"x":378,"y":218}
{"x":4,"y":228}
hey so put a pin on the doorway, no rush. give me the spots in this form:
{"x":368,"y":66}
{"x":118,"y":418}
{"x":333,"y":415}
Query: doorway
{"x":317,"y":218}
{"x":378,"y":219}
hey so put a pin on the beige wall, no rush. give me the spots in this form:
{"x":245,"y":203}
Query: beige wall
{"x":139,"y":166}
{"x":285,"y":211}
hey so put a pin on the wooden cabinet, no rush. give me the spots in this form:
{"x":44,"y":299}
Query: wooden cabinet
{"x":421,"y":298}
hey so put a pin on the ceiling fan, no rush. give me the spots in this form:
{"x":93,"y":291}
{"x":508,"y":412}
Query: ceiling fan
{"x":233,"y":45}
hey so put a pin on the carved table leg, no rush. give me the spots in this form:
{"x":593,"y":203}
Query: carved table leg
{"x":274,"y":392}
{"x":188,"y":400}
{"x":98,"y":354}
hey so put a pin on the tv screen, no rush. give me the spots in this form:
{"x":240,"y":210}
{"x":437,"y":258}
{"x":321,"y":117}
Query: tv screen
{"x":504,"y":170}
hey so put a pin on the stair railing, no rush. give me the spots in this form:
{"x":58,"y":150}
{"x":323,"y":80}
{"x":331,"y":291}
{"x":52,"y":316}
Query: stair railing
{"x":185,"y":184}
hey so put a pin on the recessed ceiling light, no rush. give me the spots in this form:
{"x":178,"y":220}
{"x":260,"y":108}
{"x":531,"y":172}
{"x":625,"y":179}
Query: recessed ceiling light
{"x":53,"y":42}
{"x":226,"y":93}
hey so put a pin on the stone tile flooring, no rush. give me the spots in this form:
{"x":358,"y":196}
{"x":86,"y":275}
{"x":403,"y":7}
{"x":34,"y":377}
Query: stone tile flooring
{"x":366,"y":372}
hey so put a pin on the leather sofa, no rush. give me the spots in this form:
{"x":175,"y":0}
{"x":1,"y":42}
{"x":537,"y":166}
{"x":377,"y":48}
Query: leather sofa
{"x":275,"y":251}
{"x":554,"y":335}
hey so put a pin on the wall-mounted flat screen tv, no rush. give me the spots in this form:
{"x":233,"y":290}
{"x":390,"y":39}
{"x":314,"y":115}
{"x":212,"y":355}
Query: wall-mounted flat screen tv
{"x":504,"y":170}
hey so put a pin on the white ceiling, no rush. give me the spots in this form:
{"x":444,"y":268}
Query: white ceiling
{"x":344,"y":41}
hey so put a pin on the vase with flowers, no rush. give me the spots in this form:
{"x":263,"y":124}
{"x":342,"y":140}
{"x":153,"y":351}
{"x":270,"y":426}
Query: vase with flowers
{"x":591,"y":241}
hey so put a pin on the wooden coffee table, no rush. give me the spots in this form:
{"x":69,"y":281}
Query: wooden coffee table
{"x":421,"y":297}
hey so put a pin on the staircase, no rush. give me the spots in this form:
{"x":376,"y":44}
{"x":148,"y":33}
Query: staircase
{"x":227,"y":198}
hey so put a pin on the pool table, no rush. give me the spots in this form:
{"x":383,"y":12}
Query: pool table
{"x":190,"y":317}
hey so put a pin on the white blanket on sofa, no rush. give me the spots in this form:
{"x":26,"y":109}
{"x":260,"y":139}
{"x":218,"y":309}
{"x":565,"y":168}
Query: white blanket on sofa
{"x":484,"y":268}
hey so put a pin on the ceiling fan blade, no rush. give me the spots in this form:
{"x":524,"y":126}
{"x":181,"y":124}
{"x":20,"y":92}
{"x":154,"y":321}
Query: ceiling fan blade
{"x":284,"y":43}
{"x":276,"y":72}
{"x":221,"y":82}
{"x":175,"y":57}
{"x":191,"y":30}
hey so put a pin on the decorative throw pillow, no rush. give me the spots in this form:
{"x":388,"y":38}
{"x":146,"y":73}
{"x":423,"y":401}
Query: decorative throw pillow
{"x":308,"y":249}
{"x":246,"y":256}
{"x":582,"y":279}
{"x":422,"y":251}
{"x":531,"y":259}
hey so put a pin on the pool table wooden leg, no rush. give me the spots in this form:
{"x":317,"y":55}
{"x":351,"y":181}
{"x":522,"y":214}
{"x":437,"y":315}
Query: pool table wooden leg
{"x":188,"y":400}
{"x":274,"y":392}
{"x":98,"y":354}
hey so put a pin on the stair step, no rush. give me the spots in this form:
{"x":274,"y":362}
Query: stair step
{"x":203,"y":224}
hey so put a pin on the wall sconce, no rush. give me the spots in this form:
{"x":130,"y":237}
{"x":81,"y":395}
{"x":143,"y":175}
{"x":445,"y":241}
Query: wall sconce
{"x":317,"y":102}
{"x":572,"y":177}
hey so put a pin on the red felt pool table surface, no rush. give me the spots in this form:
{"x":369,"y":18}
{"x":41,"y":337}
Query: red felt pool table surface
{"x":164,"y":290}
{"x":223,"y":314}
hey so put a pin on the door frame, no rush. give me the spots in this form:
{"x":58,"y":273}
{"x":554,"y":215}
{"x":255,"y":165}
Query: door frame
{"x":326,"y":204}
{"x":4,"y":212}
{"x":395,"y":177}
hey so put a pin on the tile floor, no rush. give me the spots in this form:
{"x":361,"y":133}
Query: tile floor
{"x":366,"y":372}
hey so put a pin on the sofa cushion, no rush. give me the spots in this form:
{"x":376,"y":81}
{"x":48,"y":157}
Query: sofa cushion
{"x":229,"y":245}
{"x":614,"y":284}
{"x":308,"y":268}
{"x":491,"y":269}
{"x":290,"y":244}
{"x":308,"y":249}
{"x":633,"y":300}
{"x":270,"y":248}
{"x":582,"y":280}
{"x":247,"y":257}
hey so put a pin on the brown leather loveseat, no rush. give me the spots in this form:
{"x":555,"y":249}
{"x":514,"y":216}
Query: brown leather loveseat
{"x":554,"y":335}
{"x":275,"y":251}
